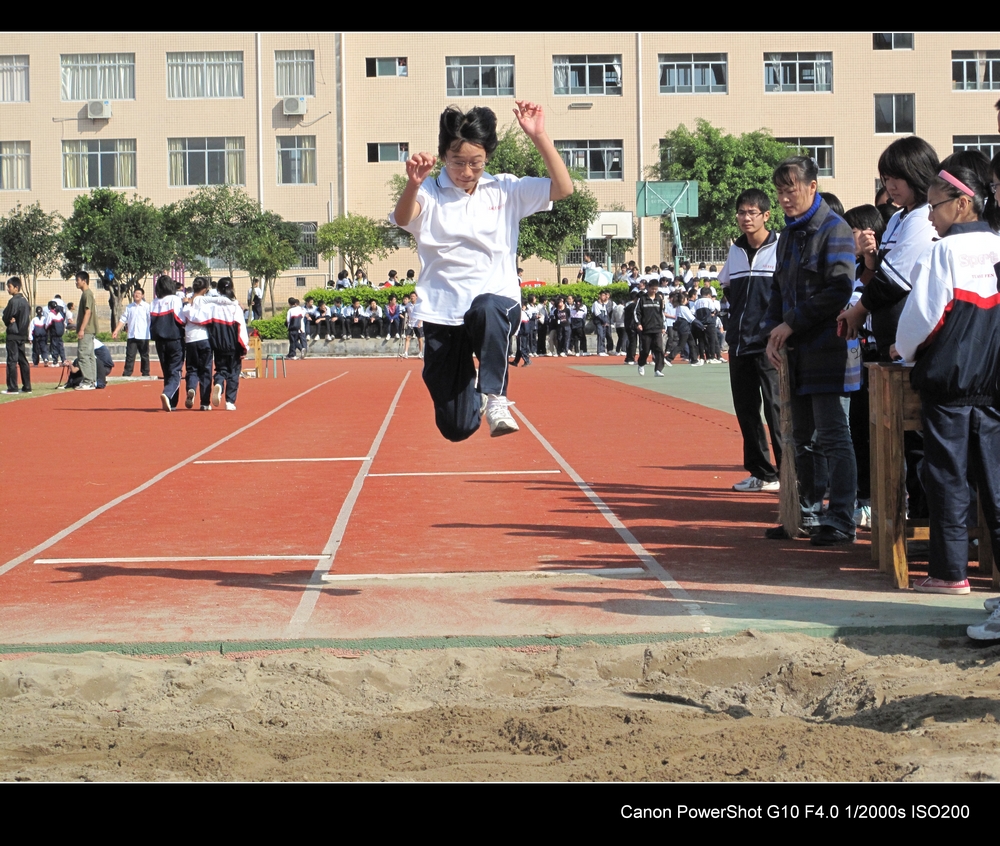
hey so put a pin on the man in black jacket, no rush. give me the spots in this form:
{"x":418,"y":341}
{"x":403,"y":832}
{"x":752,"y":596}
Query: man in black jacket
{"x":649,"y":324}
{"x":17,"y":322}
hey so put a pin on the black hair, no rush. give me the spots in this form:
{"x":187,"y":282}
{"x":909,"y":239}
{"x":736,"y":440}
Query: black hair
{"x":833,"y":201}
{"x":140,"y":289}
{"x":866,"y":217}
{"x":477,"y":126}
{"x":53,"y":304}
{"x":14,"y":282}
{"x":39,"y":311}
{"x":226,"y":288}
{"x":343,"y":274}
{"x":972,"y":169}
{"x":795,"y":170}
{"x":200,"y":283}
{"x":292,"y":301}
{"x":914,"y":161}
{"x":83,"y":276}
{"x":165,"y":286}
{"x":706,"y":291}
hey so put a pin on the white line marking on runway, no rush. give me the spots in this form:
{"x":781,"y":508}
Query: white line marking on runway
{"x":278,"y":460}
{"x":97,"y":512}
{"x":607,"y":572}
{"x":314,"y":588}
{"x":167,"y":559}
{"x":654,"y":566}
{"x":467,"y":473}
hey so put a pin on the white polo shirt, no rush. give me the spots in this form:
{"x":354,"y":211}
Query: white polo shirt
{"x":467,"y":242}
{"x":137,"y":320}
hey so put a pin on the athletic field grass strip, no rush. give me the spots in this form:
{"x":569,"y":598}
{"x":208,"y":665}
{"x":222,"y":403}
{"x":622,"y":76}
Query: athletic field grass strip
{"x":312,"y":591}
{"x":640,"y":552}
{"x":118,"y":500}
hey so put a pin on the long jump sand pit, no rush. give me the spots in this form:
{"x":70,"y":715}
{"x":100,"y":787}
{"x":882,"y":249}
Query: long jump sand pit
{"x":752,"y":707}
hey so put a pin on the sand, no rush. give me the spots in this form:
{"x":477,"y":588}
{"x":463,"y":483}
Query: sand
{"x":754,"y":707}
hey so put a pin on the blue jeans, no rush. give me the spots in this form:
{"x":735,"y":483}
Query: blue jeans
{"x":826,"y":415}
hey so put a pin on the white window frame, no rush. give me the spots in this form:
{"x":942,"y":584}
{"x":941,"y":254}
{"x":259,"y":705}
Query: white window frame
{"x":812,"y":147}
{"x":234,"y":156}
{"x":577,"y":156}
{"x":500,"y":67}
{"x":308,"y":260}
{"x":15,"y":162}
{"x":895,"y":108}
{"x":699,"y":70}
{"x":15,"y":79}
{"x":598,"y":71}
{"x":777,"y":68}
{"x":111,"y":76}
{"x":101,"y":155}
{"x":983,"y":66}
{"x":390,"y":152}
{"x":301,"y":159}
{"x":386,"y":66}
{"x":988,"y":144}
{"x":205,"y":75}
{"x":295,"y":73}
{"x":897,"y":41}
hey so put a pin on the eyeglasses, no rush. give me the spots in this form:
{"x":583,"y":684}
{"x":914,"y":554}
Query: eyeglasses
{"x":475,"y":167}
{"x":750,"y":214}
{"x":935,"y":205}
{"x":994,"y":186}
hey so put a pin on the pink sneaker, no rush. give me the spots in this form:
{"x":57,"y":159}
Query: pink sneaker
{"x":932,"y":585}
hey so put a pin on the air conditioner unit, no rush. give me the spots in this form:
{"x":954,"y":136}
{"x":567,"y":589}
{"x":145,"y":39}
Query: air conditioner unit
{"x":99,"y":109}
{"x":295,"y":105}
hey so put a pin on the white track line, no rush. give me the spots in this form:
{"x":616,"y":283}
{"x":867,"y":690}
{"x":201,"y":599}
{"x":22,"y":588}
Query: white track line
{"x":166,"y":559}
{"x":607,"y":572}
{"x":277,"y":460}
{"x":654,"y":566}
{"x":308,"y":601}
{"x":97,"y":512}
{"x":466,"y":473}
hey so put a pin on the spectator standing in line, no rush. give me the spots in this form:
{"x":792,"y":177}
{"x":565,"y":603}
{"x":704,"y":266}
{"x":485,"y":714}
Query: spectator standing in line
{"x":136,"y":320}
{"x":17,"y":323}
{"x":86,"y":331}
{"x":746,"y":278}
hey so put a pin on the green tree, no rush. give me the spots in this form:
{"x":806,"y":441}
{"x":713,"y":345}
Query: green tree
{"x":357,"y":238}
{"x":271,"y":247}
{"x":120,"y":240}
{"x":29,"y":245}
{"x":724,"y":166}
{"x":218,"y":221}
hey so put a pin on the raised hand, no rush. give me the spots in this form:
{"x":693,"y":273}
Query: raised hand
{"x":530,"y":117}
{"x":419,"y":165}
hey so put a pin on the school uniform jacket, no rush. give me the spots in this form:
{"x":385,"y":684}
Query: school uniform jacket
{"x":166,"y":321}
{"x":950,"y":324}
{"x":55,"y":322}
{"x":748,"y":287}
{"x":227,"y":329}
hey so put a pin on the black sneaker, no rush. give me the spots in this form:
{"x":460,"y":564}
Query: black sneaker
{"x":829,"y":536}
{"x":779,"y":533}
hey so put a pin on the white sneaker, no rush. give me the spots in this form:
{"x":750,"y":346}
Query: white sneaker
{"x":230,"y":406}
{"x":992,"y":603}
{"x":498,"y":416}
{"x":752,"y":484}
{"x":863,"y":517}
{"x":667,"y":363}
{"x":165,"y":402}
{"x":988,"y":630}
{"x":217,"y":395}
{"x":698,"y":363}
{"x":658,"y":373}
{"x":189,"y":400}
{"x":642,"y":371}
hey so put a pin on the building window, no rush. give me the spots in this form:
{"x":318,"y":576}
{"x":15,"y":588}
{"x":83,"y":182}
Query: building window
{"x":15,"y":165}
{"x":394,"y":66}
{"x":594,"y":159}
{"x":693,"y":73}
{"x":13,"y":79}
{"x":98,"y":76}
{"x":297,"y":160}
{"x":975,"y":70}
{"x":295,"y":73}
{"x":388,"y":152}
{"x":479,"y":76}
{"x":820,"y":150}
{"x":798,"y":71}
{"x":988,"y":144}
{"x":587,"y":74}
{"x":216,"y":74}
{"x":308,"y":257}
{"x":892,"y":40}
{"x":894,"y":113}
{"x":104,"y":163}
{"x":206,"y":161}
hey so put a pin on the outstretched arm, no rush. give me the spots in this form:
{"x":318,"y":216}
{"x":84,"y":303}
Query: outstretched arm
{"x":532,"y":120}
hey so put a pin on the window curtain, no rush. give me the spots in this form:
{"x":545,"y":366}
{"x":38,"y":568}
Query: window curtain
{"x":453,"y":71}
{"x":561,"y":73}
{"x":505,"y":78}
{"x":824,"y":75}
{"x":76,"y":174}
{"x":294,"y":72}
{"x":105,"y":76}
{"x":234,"y":161}
{"x":14,"y":79}
{"x":125,"y":163}
{"x":175,"y":155}
{"x":15,"y":162}
{"x":195,"y":75}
